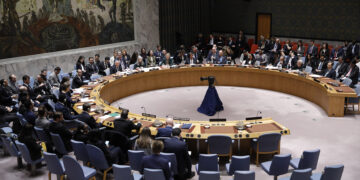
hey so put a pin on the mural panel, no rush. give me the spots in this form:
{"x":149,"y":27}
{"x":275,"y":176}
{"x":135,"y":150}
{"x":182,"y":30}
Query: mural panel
{"x":30,"y":27}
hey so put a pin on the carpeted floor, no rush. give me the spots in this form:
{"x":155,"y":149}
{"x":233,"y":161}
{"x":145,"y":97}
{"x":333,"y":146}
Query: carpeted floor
{"x":337,"y":138}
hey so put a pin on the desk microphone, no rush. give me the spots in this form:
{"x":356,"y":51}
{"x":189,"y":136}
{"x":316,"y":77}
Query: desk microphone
{"x":257,"y":115}
{"x":142,"y":107}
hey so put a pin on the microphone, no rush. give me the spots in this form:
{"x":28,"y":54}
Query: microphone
{"x":142,"y":107}
{"x":169,"y":115}
{"x":257,"y":115}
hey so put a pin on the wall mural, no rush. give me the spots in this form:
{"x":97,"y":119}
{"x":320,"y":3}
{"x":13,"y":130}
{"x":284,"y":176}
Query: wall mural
{"x":30,"y":27}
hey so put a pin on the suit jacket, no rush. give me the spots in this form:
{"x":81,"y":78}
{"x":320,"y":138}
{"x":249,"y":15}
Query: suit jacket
{"x":175,"y":145}
{"x":89,"y":120}
{"x":34,"y":148}
{"x":354,"y":52}
{"x":91,"y":69}
{"x":80,"y":66}
{"x":323,"y":67}
{"x":354,"y":75}
{"x":14,"y":87}
{"x":278,"y":47}
{"x":102,"y":67}
{"x":330,"y":73}
{"x":215,"y":57}
{"x":77,"y":82}
{"x":156,"y":161}
{"x":164,"y":132}
{"x":114,"y":70}
{"x":30,"y":91}
{"x":65,"y":134}
{"x":65,"y":110}
{"x":291,"y":64}
{"x":221,"y":60}
{"x":125,"y":126}
{"x":324,"y":53}
{"x":336,"y":53}
{"x":313,"y":51}
{"x":341,"y":69}
{"x":30,"y":117}
{"x":54,"y":79}
{"x":188,"y":61}
{"x":5,"y":96}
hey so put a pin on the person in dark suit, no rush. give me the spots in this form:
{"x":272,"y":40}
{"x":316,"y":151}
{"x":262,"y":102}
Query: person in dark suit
{"x":86,"y":118}
{"x":191,"y":59}
{"x":281,"y":62}
{"x":13,"y":85}
{"x":287,"y":47}
{"x":26,"y":137}
{"x":61,"y":107}
{"x":197,"y":55}
{"x":80,"y":64}
{"x":115,"y":68}
{"x":352,"y":73}
{"x":291,"y":61}
{"x":299,"y":65}
{"x":91,"y":68}
{"x":354,"y":50}
{"x":221,"y":58}
{"x":125,"y":56}
{"x":30,"y":90}
{"x":167,"y":130}
{"x":324,"y":51}
{"x":6,"y":97}
{"x":57,"y":127}
{"x":124,"y":125}
{"x":213,"y":56}
{"x":312,"y":50}
{"x":341,"y":67}
{"x":179,"y":148}
{"x":336,"y":53}
{"x":330,"y":72}
{"x":322,"y":65}
{"x":311,"y":62}
{"x":29,"y":114}
{"x":104,"y":65}
{"x":97,"y":61}
{"x":54,"y":79}
{"x":78,"y":80}
{"x":156,"y":161}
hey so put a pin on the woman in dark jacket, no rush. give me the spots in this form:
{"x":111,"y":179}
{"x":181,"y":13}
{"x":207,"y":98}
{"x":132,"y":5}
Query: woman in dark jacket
{"x":27,"y":138}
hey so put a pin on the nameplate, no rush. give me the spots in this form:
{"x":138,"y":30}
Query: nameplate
{"x":148,"y":115}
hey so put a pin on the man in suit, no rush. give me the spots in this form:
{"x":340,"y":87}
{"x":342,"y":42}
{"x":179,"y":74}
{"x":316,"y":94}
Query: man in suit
{"x":221,"y":59}
{"x":97,"y":61}
{"x":197,"y":55}
{"x":330,"y":72}
{"x":104,"y":65}
{"x":78,"y":80}
{"x":354,"y":49}
{"x":65,"y":111}
{"x":30,"y":90}
{"x":54,"y":79}
{"x":353,"y":73}
{"x":6,"y":97}
{"x":191,"y":59}
{"x":91,"y":68}
{"x":13,"y":85}
{"x":179,"y":148}
{"x":86,"y":118}
{"x":156,"y":161}
{"x":299,"y":65}
{"x":336,"y":53}
{"x":312,"y":50}
{"x":341,"y":67}
{"x":213,"y":56}
{"x":115,"y":68}
{"x":274,"y":50}
{"x":124,"y":125}
{"x":291,"y":61}
{"x":261,"y":58}
{"x":167,"y":130}
{"x":57,"y":127}
{"x":320,"y":69}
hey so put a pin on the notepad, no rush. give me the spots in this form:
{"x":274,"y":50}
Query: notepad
{"x":186,"y":126}
{"x":114,"y":114}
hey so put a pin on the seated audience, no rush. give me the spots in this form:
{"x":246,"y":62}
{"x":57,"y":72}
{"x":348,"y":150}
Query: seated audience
{"x":86,"y":118}
{"x":291,"y":61}
{"x":341,"y":67}
{"x":54,"y":79}
{"x":139,"y":63}
{"x":104,"y":65}
{"x":320,"y":69}
{"x":151,"y":59}
{"x":179,"y":148}
{"x":166,"y":131}
{"x":166,"y":60}
{"x":124,"y":125}
{"x":42,"y":121}
{"x":91,"y":68}
{"x":61,"y":107}
{"x":80,"y":64}
{"x":221,"y":58}
{"x":28,"y":112}
{"x":156,"y":161}
{"x":57,"y":127}
{"x":144,"y":141}
{"x":78,"y":80}
{"x":330,"y":72}
{"x":281,"y":62}
{"x":13,"y":85}
{"x":115,"y":68}
{"x":6,"y":96}
{"x":352,"y":73}
{"x":299,"y":65}
{"x":125,"y":56}
{"x":213,"y":56}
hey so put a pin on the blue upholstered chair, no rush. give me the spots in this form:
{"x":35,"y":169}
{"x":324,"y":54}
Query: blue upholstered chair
{"x":238,"y":163}
{"x":26,"y":156}
{"x":278,"y":166}
{"x":54,"y":165}
{"x":347,"y":81}
{"x":244,"y":175}
{"x":207,"y":162}
{"x":41,"y":135}
{"x":59,"y":144}
{"x":6,"y":130}
{"x":12,"y":150}
{"x":80,"y":152}
{"x":97,"y":159}
{"x":299,"y":174}
{"x":209,"y":175}
{"x":268,"y":143}
{"x":74,"y":170}
{"x":330,"y":173}
{"x":309,"y":159}
{"x":135,"y":158}
{"x":354,"y":100}
{"x":172,"y":158}
{"x":220,"y":145}
{"x":153,"y":174}
{"x":122,"y":172}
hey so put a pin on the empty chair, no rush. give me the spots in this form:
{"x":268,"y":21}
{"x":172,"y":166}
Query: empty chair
{"x":97,"y":158}
{"x":122,"y":172}
{"x":42,"y":136}
{"x":330,"y":173}
{"x":299,"y":174}
{"x":153,"y":174}
{"x":135,"y":158}
{"x":308,"y":69}
{"x":94,"y":77}
{"x":12,"y":150}
{"x":54,"y":165}
{"x":238,"y":163}
{"x":278,"y":166}
{"x":347,"y":81}
{"x":207,"y":162}
{"x":58,"y":143}
{"x":172,"y":158}
{"x":80,"y":151}
{"x":268,"y":143}
{"x":209,"y":175}
{"x":26,"y":155}
{"x":220,"y":145}
{"x":74,"y":171}
{"x":309,"y":159}
{"x":244,"y":175}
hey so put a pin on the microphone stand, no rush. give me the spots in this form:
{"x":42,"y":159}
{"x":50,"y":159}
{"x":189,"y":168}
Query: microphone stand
{"x":142,"y":107}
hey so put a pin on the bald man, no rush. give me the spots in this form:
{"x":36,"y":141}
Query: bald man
{"x":166,"y":131}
